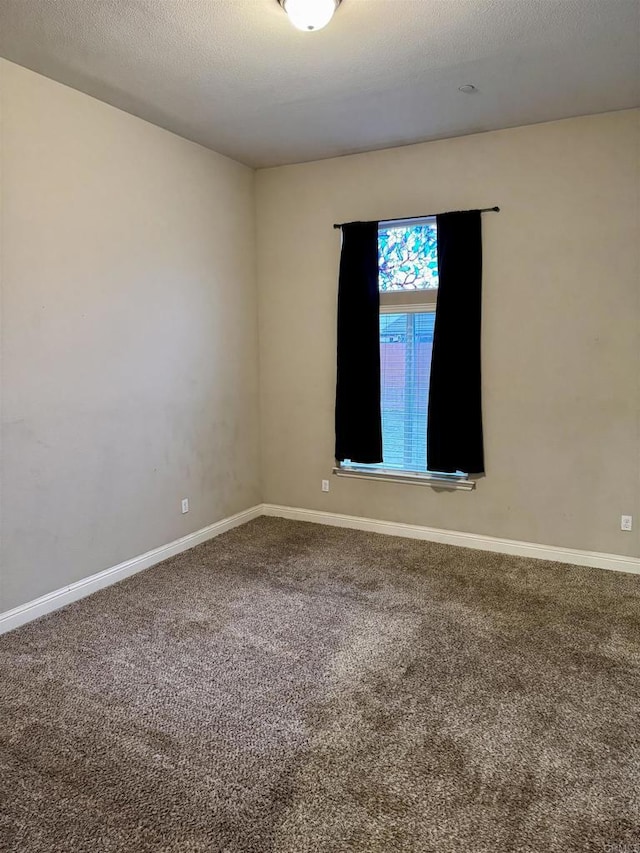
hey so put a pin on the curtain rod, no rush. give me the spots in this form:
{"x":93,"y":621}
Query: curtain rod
{"x":424,"y":216}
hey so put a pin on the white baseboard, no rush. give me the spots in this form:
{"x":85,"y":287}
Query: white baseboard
{"x":594,"y":559}
{"x":60,"y":597}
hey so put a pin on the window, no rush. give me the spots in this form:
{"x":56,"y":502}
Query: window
{"x":406,"y":339}
{"x":408,"y":282}
{"x":408,"y":256}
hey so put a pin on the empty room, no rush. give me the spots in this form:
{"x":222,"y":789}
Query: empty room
{"x":320,"y":426}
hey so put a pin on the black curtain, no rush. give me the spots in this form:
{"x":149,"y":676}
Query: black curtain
{"x":358,"y":416}
{"x":454,"y":425}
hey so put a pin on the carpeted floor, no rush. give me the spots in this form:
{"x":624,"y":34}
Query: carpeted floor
{"x":291,"y":688}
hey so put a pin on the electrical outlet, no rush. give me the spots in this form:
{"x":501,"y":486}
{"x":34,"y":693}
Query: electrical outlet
{"x":185,"y":505}
{"x":325,"y":485}
{"x":626,"y":522}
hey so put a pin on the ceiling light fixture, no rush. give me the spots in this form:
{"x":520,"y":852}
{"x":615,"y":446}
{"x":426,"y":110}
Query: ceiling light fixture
{"x":468,"y":89}
{"x":310,"y":15}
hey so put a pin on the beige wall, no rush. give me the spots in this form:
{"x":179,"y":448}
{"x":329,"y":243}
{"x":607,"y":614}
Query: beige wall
{"x":129,"y":331}
{"x":560,"y":335}
{"x":129,"y":336}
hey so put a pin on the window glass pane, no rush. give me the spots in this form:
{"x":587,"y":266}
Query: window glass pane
{"x":406,"y":341}
{"x":406,"y":344}
{"x":408,"y":257}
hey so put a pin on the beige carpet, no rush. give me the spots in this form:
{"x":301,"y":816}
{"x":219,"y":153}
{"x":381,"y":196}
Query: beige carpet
{"x":295,"y":688}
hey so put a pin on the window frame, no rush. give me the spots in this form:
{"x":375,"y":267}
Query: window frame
{"x":421,"y":301}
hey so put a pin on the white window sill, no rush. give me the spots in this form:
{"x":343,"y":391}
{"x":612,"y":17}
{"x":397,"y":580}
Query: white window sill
{"x":434,"y":480}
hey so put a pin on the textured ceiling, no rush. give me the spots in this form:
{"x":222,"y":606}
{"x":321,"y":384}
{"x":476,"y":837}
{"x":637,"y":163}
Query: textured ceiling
{"x":237,"y":77}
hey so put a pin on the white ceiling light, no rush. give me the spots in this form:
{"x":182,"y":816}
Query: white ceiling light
{"x":310,"y":15}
